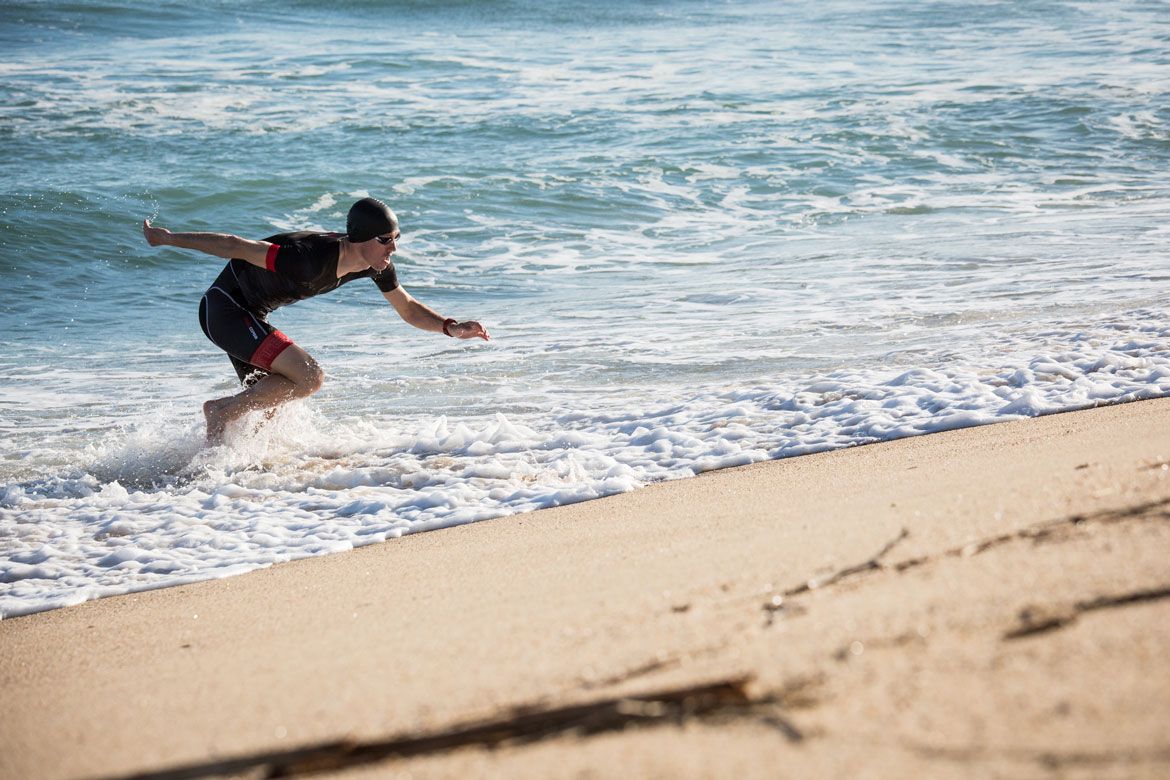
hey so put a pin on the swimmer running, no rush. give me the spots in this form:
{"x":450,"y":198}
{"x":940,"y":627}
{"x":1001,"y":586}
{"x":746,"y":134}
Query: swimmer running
{"x":262,"y":276}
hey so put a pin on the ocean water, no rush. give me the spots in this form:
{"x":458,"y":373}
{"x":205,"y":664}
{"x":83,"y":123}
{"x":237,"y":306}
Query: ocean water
{"x":702,"y":234}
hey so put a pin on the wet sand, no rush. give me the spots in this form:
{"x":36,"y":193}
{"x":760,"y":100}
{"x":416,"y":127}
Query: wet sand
{"x":987,"y":602}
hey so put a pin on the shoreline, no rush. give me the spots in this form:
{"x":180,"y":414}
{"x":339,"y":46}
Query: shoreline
{"x":864,"y":592}
{"x":234,"y":569}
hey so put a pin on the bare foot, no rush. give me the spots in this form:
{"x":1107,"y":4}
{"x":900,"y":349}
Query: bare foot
{"x":213,"y":412}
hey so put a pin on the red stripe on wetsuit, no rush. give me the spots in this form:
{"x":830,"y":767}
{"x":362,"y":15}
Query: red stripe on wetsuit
{"x":275,"y":342}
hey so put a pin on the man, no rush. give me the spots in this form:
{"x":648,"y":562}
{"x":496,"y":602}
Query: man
{"x":262,"y":276}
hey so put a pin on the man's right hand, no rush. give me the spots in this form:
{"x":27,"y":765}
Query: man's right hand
{"x":155,"y":236}
{"x":469,"y":330}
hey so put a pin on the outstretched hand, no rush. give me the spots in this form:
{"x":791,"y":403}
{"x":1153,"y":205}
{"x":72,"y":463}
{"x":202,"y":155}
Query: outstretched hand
{"x":155,"y":236}
{"x":469,"y":330}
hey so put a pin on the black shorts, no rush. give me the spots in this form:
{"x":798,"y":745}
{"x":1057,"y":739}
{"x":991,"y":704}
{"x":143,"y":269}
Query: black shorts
{"x":250,"y":342}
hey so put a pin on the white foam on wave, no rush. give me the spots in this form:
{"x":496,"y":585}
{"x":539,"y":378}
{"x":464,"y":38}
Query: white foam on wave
{"x":150,"y":508}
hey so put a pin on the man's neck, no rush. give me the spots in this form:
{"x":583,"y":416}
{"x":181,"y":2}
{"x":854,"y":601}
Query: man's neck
{"x":348,"y":259}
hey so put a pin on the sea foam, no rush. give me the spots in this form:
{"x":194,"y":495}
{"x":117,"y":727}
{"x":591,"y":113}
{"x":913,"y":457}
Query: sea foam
{"x":151,"y":508}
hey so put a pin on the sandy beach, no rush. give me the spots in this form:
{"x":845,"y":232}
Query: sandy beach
{"x":823,"y":429}
{"x":992,"y":601}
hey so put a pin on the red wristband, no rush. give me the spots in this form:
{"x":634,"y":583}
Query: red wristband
{"x":448,"y":323}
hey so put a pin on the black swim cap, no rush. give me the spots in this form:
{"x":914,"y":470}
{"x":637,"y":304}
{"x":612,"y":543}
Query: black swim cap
{"x":368,"y":218}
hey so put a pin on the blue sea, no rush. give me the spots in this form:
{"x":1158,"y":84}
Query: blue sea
{"x":702,"y":234}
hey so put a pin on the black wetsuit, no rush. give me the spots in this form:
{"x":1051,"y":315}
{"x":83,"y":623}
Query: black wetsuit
{"x":234,"y":310}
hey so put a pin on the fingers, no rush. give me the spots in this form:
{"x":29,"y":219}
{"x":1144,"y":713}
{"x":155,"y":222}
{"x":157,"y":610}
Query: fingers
{"x":155,"y":236}
{"x":474,"y":330}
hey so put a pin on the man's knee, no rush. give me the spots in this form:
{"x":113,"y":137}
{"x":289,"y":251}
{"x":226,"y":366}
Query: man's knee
{"x":308,"y":377}
{"x":297,"y":366}
{"x":313,"y":379}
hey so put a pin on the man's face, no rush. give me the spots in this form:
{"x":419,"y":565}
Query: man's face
{"x":377,"y":251}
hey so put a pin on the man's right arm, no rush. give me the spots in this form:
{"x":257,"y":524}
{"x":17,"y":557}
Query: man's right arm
{"x":222,"y":245}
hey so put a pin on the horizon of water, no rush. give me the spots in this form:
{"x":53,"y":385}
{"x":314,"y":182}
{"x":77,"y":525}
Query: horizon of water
{"x":702,"y":234}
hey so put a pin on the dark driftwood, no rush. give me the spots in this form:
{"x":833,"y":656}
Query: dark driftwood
{"x":873,"y":564}
{"x":724,"y":698}
{"x":1040,"y":621}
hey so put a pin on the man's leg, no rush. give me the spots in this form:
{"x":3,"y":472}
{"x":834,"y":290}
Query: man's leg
{"x":294,"y":374}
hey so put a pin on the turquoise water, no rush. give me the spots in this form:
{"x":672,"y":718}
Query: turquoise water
{"x":701,"y":234}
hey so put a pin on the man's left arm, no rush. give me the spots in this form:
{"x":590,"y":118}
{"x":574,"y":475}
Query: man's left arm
{"x":424,"y":317}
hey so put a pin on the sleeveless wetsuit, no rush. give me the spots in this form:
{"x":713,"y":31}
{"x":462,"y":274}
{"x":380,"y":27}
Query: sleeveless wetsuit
{"x":234,"y":310}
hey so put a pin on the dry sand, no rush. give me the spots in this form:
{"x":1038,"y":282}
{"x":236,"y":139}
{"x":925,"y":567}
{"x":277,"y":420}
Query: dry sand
{"x":979,"y":603}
